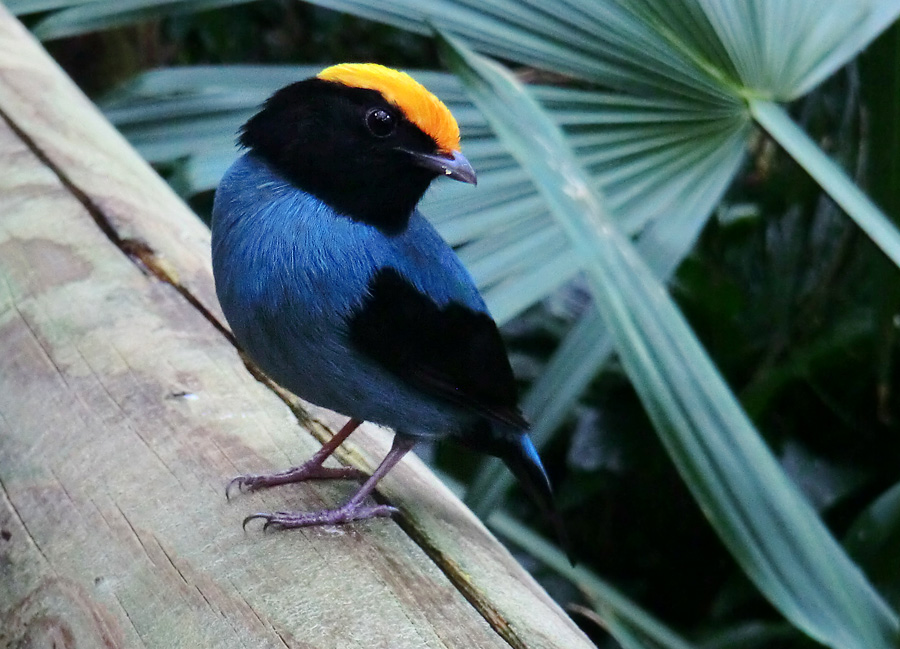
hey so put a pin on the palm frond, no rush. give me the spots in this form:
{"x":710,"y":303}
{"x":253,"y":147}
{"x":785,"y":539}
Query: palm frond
{"x":759,"y":514}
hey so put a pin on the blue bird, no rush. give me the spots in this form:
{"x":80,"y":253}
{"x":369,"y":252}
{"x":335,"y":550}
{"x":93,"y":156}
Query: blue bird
{"x":339,"y":289}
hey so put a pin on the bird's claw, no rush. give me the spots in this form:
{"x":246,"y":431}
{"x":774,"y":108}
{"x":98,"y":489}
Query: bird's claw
{"x":250,"y":482}
{"x":240,"y":481}
{"x":269,"y":518}
{"x":345,"y":514}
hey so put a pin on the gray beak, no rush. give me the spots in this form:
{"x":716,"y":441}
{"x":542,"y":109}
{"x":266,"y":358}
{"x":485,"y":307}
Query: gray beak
{"x":453,"y":166}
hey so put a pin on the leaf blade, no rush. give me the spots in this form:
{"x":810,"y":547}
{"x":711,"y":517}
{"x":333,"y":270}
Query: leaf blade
{"x":829,"y":175}
{"x":771,"y":530}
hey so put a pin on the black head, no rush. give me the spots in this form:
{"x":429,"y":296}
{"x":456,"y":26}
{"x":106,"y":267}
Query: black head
{"x":352,"y":148}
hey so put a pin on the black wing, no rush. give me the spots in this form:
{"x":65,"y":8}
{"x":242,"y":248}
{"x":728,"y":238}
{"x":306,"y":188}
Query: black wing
{"x":451,"y":352}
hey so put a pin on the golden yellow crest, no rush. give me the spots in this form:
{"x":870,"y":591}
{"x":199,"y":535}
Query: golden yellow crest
{"x":418,"y":105}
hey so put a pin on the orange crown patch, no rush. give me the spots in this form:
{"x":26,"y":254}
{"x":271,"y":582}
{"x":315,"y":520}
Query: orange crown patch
{"x":418,"y":105}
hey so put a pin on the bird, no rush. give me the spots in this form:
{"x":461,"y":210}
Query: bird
{"x":339,"y":289}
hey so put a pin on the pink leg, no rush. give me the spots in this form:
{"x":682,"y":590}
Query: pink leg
{"x":312,"y":469}
{"x":353,"y":510}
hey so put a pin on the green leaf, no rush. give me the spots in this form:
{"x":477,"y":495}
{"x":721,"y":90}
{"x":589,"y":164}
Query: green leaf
{"x":873,"y":540}
{"x":829,"y":175}
{"x":587,"y":347}
{"x":25,"y":7}
{"x":86,"y":17}
{"x":692,"y":51}
{"x":752,"y":635}
{"x":770,"y":529}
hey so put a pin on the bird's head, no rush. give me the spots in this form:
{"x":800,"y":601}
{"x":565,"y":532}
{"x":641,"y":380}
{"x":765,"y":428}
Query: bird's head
{"x":363,"y":138}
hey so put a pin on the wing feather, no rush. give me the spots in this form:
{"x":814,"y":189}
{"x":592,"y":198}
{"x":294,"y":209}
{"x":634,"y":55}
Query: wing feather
{"x":451,"y":352}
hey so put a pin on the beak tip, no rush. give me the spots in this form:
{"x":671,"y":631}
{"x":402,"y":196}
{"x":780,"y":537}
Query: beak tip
{"x":453,"y":165}
{"x":460,"y":169}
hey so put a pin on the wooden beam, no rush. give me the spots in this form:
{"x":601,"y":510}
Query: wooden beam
{"x":125,"y":408}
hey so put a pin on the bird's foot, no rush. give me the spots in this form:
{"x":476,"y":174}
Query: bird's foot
{"x":308,"y":471}
{"x":346,"y":514}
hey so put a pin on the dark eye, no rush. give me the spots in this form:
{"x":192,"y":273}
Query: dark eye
{"x":380,"y":122}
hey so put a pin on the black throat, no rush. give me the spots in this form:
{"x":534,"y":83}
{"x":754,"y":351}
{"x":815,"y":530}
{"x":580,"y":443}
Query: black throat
{"x":313,"y":133}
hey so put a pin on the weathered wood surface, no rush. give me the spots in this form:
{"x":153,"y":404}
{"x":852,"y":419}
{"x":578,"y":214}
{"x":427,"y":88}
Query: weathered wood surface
{"x":124,"y":409}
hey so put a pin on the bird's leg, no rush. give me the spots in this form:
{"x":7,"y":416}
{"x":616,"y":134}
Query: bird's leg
{"x":353,"y":510}
{"x":312,"y":469}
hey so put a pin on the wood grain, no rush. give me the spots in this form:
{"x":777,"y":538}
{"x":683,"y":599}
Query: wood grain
{"x":125,"y":408}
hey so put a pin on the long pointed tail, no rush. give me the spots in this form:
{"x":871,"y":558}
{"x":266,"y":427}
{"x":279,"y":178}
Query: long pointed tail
{"x":523,"y":460}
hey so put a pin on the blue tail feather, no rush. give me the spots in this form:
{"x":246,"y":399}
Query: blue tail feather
{"x":523,"y":460}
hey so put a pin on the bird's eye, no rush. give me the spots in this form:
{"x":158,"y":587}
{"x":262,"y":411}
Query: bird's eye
{"x":380,"y":122}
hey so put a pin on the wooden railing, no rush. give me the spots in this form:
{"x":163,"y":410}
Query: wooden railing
{"x":125,"y":408}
